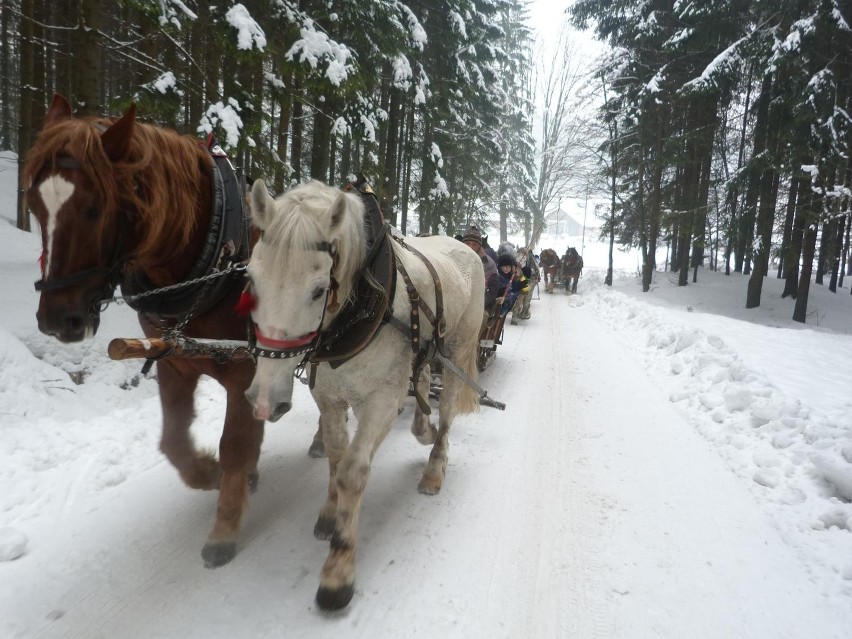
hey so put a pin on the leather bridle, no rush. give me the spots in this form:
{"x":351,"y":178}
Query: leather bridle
{"x":111,"y":273}
{"x":261,"y":345}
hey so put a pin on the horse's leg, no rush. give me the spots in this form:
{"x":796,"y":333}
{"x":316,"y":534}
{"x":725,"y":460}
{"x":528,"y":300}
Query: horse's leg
{"x":177,"y":389}
{"x":423,"y":429}
{"x":375,"y":418}
{"x":239,"y":449}
{"x":336,"y":440}
{"x":433,"y":475}
{"x":317,"y":449}
{"x":253,"y":472}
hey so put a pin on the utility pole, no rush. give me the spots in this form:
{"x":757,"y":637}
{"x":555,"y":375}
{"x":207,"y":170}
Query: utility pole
{"x":558,"y":211}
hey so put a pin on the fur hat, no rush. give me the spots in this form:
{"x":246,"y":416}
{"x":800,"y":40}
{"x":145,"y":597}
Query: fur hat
{"x":505,"y":260}
{"x":507,"y":248}
{"x":527,"y":271}
{"x":472,"y":235}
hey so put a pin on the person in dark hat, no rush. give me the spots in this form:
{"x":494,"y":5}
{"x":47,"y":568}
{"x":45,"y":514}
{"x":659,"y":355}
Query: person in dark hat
{"x":505,"y":260}
{"x":473,"y":239}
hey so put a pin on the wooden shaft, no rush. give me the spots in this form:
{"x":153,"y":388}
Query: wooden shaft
{"x":123,"y":348}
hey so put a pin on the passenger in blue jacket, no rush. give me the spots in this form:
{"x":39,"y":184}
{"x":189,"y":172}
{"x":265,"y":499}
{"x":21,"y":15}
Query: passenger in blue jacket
{"x":510,"y":286}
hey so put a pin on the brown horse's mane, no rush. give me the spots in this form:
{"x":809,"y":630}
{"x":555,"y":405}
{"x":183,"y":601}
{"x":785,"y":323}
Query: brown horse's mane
{"x":158,"y":181}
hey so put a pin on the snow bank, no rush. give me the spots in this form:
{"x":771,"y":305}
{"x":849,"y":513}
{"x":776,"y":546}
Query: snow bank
{"x":797,"y":459}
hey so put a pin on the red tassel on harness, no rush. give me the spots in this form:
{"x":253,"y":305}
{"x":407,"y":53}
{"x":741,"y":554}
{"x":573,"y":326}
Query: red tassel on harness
{"x":41,"y":263}
{"x":246,"y":304}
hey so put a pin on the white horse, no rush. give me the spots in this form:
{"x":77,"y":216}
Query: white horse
{"x":310,"y":255}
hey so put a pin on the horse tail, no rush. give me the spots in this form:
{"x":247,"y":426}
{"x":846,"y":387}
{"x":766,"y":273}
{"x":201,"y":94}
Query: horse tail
{"x":465,"y":359}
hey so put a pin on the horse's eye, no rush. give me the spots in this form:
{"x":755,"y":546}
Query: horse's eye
{"x":318,"y":293}
{"x":92,"y":213}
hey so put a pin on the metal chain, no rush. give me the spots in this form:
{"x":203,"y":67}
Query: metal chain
{"x":123,"y":299}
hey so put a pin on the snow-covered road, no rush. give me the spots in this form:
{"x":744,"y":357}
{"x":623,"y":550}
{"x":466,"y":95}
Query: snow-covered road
{"x":589,"y":508}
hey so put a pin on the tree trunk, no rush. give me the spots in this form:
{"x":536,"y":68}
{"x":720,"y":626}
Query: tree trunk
{"x":7,"y":45}
{"x":733,"y":245}
{"x":837,"y":248}
{"x":788,"y":228}
{"x":406,"y":178}
{"x":282,"y":173}
{"x":655,"y":212}
{"x":689,"y":192}
{"x":32,"y":96}
{"x":845,"y":256}
{"x":320,"y":145}
{"x":745,"y":235}
{"x":296,"y":142}
{"x":707,"y":124}
{"x":765,"y":219}
{"x":390,"y":187}
{"x":794,"y":253}
{"x":808,"y":248}
{"x":87,"y":59}
{"x":825,"y":241}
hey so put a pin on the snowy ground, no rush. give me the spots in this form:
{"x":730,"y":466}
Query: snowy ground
{"x":669,"y":465}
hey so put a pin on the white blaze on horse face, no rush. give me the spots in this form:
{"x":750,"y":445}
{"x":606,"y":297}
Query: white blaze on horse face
{"x":55,"y":191}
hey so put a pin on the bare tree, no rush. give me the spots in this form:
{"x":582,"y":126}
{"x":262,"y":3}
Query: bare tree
{"x":565,"y":133}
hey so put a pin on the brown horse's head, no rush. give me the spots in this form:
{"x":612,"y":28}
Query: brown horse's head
{"x":69,"y":191}
{"x":548,"y":258}
{"x":88,"y":183}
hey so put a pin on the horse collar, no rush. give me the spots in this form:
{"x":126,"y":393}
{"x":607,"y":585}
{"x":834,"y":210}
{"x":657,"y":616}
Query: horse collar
{"x":369,"y":308}
{"x":227,"y":241}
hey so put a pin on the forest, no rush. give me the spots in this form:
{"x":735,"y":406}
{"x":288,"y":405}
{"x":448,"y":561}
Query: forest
{"x":729,"y":134}
{"x":426,"y":98}
{"x":714,"y":133}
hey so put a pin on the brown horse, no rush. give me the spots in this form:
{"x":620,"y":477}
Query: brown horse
{"x":549,"y":261}
{"x":130,"y":203}
{"x":572,"y":268}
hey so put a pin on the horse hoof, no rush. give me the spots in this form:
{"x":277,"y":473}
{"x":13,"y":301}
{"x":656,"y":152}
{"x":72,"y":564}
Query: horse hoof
{"x":429,"y":436}
{"x":218,"y":554}
{"x":317,"y":449}
{"x":324,"y":528}
{"x":335,"y":599}
{"x":253,"y":480}
{"x":430,"y":485}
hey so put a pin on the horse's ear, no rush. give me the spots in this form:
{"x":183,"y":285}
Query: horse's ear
{"x":116,"y":139}
{"x":261,"y":205}
{"x":59,"y":108}
{"x":338,"y":210}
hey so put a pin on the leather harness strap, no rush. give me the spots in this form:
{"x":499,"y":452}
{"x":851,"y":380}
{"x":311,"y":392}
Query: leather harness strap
{"x":424,"y":354}
{"x":436,"y":319}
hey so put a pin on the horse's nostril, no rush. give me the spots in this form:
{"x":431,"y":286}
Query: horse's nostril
{"x":281,"y":409}
{"x":74,"y":323}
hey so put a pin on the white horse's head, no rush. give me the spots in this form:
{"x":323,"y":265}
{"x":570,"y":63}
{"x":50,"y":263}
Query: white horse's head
{"x":301,"y":271}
